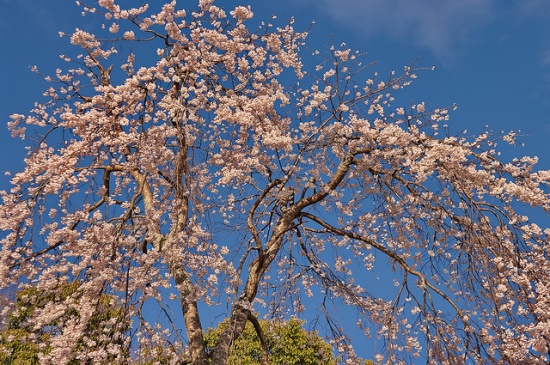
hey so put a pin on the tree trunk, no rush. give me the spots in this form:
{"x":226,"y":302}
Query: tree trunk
{"x":237,"y":323}
{"x":193,"y":326}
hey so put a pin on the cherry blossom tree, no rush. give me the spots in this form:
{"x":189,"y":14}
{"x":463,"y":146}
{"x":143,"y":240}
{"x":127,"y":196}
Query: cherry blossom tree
{"x":187,"y":165}
{"x":15,"y":347}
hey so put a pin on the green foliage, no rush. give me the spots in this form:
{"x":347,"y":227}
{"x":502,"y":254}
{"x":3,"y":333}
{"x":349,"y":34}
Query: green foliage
{"x":288,"y":344}
{"x":15,"y":349}
{"x":19,"y":343}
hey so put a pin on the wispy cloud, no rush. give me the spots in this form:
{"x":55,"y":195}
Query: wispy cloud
{"x":437,"y":25}
{"x":536,"y":7}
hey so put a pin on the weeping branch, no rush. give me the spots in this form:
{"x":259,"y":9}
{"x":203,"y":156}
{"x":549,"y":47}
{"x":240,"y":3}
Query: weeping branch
{"x":261,"y":336}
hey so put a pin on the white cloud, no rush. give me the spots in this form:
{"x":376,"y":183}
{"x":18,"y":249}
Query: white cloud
{"x":437,"y":25}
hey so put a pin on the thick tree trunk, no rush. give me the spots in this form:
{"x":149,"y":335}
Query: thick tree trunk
{"x":195,"y":336}
{"x":193,"y":326}
{"x":237,"y":323}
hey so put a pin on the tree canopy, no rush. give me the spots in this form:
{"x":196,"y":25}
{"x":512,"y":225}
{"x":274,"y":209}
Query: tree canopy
{"x":194,"y":163}
{"x":22,"y":341}
{"x":286,"y":342}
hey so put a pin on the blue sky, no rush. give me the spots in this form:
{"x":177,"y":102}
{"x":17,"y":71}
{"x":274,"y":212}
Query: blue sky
{"x":491,"y":57}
